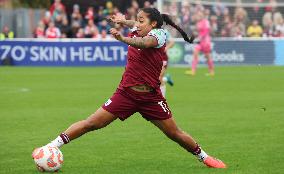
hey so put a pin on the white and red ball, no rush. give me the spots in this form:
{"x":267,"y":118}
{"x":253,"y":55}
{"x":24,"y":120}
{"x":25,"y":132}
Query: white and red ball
{"x":48,"y":159}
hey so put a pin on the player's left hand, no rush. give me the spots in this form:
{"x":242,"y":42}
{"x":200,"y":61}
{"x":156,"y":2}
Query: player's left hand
{"x":117,"y":35}
{"x":118,"y":18}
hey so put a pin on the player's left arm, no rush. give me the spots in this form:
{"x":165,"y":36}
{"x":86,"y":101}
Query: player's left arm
{"x":141,"y":42}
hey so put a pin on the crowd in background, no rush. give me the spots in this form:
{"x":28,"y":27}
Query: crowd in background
{"x":233,"y":21}
{"x":225,"y":21}
{"x":90,"y":24}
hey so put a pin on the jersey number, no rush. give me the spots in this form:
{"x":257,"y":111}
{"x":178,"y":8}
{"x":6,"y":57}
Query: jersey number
{"x":164,"y":106}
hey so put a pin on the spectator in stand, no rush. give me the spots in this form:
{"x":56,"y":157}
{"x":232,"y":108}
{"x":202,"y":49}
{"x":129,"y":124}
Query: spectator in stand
{"x":226,"y":28}
{"x":237,"y":33}
{"x":47,"y":19}
{"x":238,"y":29}
{"x":90,"y":14}
{"x":224,"y":22}
{"x":219,"y":11}
{"x":254,"y":30}
{"x":185,"y":16}
{"x":147,"y":4}
{"x":218,"y":8}
{"x":280,"y":28}
{"x":271,"y":5}
{"x":96,"y":35}
{"x":277,"y":18}
{"x":52,"y":32}
{"x":104,"y":26}
{"x":57,"y":4}
{"x":91,"y":30}
{"x":270,"y":19}
{"x":207,"y":13}
{"x":135,"y":5}
{"x":105,"y":36}
{"x":269,"y":29}
{"x":198,"y":7}
{"x":115,"y":10}
{"x":76,"y":20}
{"x":40,"y":30}
{"x":214,"y":26}
{"x":65,"y":29}
{"x":173,"y":9}
{"x":80,"y":33}
{"x":58,"y":22}
{"x":240,"y":21}
{"x":241,"y":16}
{"x":131,"y":14}
{"x":256,"y":11}
{"x":6,"y":33}
{"x":267,"y":19}
{"x":59,"y":11}
{"x":272,"y":12}
{"x":99,"y":16}
{"x":109,"y":8}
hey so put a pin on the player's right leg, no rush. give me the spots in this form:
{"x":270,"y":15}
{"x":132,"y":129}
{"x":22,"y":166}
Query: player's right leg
{"x":99,"y":119}
{"x":162,"y":80}
{"x":119,"y":105}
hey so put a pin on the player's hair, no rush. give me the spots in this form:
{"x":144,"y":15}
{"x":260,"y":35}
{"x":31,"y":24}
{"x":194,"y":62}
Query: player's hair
{"x":155,"y":15}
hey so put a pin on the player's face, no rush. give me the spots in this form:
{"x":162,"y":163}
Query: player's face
{"x":144,"y":24}
{"x":199,"y":15}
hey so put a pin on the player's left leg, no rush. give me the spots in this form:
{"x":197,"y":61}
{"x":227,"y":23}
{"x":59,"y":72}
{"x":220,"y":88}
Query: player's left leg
{"x":163,"y":81}
{"x":170,"y":129}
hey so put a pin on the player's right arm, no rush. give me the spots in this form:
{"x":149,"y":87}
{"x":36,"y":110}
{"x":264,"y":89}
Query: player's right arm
{"x":120,"y":19}
{"x":138,"y":42}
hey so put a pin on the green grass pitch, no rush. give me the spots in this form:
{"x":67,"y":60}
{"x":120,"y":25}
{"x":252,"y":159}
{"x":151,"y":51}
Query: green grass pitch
{"x":237,"y":116}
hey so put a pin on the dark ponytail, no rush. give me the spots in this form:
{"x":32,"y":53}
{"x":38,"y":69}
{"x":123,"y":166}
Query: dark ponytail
{"x":155,"y":15}
{"x":168,"y":21}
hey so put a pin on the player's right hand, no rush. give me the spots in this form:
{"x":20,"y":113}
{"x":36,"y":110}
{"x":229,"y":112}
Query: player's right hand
{"x":116,"y":34}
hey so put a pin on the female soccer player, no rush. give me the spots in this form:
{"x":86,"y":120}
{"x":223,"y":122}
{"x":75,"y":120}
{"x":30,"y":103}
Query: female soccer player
{"x":204,"y":45}
{"x":163,"y":77}
{"x":139,"y":89}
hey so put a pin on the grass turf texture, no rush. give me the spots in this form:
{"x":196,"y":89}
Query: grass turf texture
{"x":225,"y":114}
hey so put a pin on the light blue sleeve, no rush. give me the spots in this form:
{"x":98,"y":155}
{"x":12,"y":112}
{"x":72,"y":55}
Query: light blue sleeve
{"x":160,"y":35}
{"x":168,"y":34}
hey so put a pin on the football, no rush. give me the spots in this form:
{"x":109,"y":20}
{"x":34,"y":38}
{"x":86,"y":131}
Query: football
{"x":48,"y":159}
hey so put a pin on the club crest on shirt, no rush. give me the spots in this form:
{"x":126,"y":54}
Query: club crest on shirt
{"x":108,"y":102}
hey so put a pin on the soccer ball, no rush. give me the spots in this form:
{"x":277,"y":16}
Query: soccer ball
{"x":48,"y":159}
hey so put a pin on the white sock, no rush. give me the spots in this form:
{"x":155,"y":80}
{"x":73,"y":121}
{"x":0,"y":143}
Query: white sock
{"x":202,"y":155}
{"x":163,"y":90}
{"x":165,"y":79}
{"x":58,"y":142}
